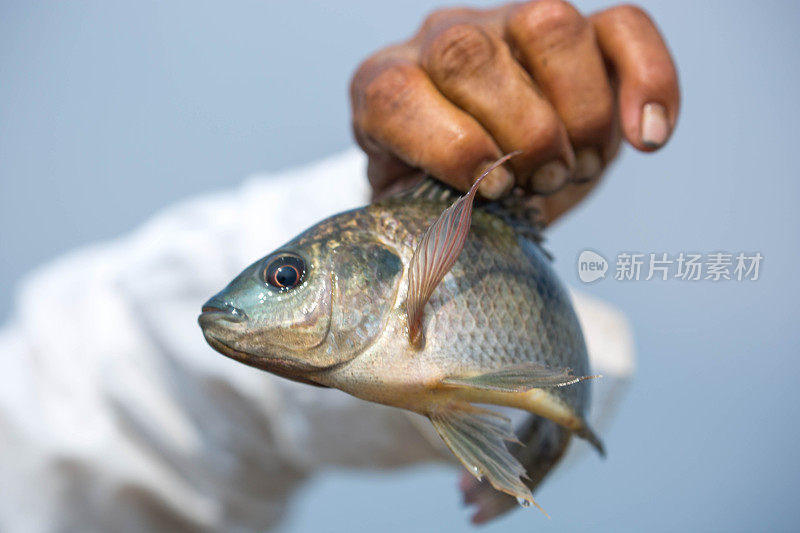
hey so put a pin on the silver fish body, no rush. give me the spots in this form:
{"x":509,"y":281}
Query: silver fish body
{"x":501,"y":304}
{"x":497,"y":315}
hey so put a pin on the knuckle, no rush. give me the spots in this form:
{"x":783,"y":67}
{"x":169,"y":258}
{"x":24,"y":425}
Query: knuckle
{"x":441,"y":17}
{"x":386,"y":92}
{"x":626,"y":13}
{"x":368,"y":69}
{"x":360,"y":78}
{"x":435,"y":18}
{"x":547,"y":20}
{"x":458,"y":51}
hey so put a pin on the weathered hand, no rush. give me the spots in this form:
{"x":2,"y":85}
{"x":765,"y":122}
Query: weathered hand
{"x":536,"y":76}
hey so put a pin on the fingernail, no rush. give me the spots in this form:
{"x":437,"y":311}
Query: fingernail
{"x":655,"y":128}
{"x":588,"y":164}
{"x":496,"y":184}
{"x":549,"y":178}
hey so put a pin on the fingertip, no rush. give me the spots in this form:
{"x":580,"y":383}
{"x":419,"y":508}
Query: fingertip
{"x":549,"y":178}
{"x":388,"y":175}
{"x":478,"y":519}
{"x":497,"y":184}
{"x":588,"y":164}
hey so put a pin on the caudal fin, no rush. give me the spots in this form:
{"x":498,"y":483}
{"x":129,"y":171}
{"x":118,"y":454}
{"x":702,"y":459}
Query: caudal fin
{"x":586,"y":432}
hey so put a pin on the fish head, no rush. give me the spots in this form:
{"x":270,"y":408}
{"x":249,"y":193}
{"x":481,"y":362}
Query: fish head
{"x":313,"y":304}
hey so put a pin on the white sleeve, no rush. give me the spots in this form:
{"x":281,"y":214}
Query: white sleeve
{"x":609,"y":341}
{"x":116,"y":415}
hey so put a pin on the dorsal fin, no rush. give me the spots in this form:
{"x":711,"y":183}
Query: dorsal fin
{"x":429,"y":189}
{"x":438,"y":249}
{"x":518,"y":210}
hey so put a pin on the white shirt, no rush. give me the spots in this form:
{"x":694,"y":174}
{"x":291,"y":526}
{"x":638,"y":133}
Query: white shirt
{"x":116,"y":415}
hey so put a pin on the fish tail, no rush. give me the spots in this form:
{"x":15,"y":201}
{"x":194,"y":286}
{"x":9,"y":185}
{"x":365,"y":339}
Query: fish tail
{"x":587,"y":433}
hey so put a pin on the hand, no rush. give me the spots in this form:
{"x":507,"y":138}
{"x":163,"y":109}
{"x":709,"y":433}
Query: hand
{"x":537,"y":76}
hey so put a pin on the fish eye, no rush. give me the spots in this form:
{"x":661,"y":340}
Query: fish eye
{"x":285,"y":272}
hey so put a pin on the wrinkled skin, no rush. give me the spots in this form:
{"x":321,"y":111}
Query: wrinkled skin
{"x":539,"y":76}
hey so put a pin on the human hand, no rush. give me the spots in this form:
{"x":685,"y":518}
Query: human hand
{"x":537,"y":76}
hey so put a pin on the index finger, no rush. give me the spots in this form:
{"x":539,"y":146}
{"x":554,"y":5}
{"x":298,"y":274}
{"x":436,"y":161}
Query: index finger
{"x":398,"y":107}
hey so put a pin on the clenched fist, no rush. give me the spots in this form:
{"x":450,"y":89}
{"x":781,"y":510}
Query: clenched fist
{"x":538,"y":76}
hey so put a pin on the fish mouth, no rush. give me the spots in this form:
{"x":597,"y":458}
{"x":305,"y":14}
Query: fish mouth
{"x":293,"y":370}
{"x":216,"y":309}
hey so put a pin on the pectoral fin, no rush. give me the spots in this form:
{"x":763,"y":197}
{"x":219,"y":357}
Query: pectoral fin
{"x":519,"y":378}
{"x":438,"y":249}
{"x":477,"y":437}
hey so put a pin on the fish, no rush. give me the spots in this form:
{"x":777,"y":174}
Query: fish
{"x":430,"y":302}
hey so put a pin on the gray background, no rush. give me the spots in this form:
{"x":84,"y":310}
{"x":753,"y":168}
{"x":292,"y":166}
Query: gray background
{"x":109,"y":112}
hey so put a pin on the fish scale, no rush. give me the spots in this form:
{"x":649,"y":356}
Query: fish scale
{"x":498,"y":279}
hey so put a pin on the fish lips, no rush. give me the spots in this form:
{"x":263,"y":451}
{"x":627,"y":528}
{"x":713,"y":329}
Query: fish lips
{"x":290,"y":369}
